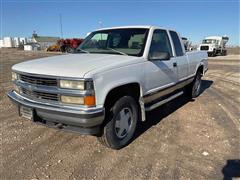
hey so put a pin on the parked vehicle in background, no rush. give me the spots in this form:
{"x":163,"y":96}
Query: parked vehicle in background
{"x":54,"y":48}
{"x":69,"y":45}
{"x":105,"y":87}
{"x":187,"y":44}
{"x":214,"y":45}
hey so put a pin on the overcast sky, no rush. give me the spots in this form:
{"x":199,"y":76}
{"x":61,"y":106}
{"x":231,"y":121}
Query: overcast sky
{"x":193,"y":19}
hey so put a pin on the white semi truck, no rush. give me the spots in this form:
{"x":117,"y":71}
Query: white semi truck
{"x":214,"y":45}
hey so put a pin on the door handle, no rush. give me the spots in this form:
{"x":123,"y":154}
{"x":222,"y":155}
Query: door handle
{"x":174,"y":64}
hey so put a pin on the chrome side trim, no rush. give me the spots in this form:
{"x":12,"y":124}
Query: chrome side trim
{"x":163,"y":101}
{"x":152,"y":91}
{"x":153,"y":96}
{"x":188,"y":77}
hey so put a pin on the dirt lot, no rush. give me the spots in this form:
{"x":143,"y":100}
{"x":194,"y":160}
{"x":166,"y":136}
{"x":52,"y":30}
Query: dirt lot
{"x":233,"y":50}
{"x":183,"y":139}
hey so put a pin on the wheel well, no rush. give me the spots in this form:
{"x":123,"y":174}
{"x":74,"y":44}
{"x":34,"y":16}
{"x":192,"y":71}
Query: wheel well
{"x":200,"y":68}
{"x":132,"y":89}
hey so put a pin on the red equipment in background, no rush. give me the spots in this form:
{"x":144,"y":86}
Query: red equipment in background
{"x":69,"y":45}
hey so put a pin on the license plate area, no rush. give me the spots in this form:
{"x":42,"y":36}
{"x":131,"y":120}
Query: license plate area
{"x":26,"y":112}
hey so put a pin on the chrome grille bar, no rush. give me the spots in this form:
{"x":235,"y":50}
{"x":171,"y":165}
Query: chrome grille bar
{"x":40,"y":95}
{"x":38,"y":80}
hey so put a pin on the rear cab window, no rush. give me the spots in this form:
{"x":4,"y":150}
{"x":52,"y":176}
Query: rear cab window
{"x":177,"y":43}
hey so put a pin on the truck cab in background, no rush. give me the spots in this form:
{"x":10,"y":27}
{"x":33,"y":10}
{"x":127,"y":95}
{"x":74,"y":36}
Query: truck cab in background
{"x":214,"y":45}
{"x":187,"y":44}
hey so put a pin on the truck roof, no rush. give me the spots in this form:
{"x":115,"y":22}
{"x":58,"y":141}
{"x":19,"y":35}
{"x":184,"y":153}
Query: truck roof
{"x":136,"y":26}
{"x":216,"y":37}
{"x":125,"y":27}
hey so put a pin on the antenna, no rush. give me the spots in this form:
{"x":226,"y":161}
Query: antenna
{"x":60,"y":18}
{"x":100,"y":23}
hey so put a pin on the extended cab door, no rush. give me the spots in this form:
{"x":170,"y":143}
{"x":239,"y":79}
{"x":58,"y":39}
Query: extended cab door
{"x":159,"y":74}
{"x":180,"y":57}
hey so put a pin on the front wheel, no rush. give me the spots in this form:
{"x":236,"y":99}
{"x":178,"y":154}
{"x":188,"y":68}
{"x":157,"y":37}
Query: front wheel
{"x":121,"y":123}
{"x":193,"y":89}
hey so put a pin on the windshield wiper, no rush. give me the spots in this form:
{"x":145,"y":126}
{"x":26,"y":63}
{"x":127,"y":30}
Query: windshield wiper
{"x":81,"y":50}
{"x":119,"y":52}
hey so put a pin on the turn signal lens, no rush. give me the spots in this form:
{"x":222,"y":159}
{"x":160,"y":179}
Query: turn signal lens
{"x":89,"y":101}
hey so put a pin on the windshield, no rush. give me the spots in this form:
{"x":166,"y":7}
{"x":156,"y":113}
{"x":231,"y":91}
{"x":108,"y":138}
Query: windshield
{"x":129,"y":41}
{"x":209,"y":41}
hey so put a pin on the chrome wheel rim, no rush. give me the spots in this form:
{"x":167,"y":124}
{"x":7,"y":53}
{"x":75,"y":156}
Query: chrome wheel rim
{"x":123,"y":122}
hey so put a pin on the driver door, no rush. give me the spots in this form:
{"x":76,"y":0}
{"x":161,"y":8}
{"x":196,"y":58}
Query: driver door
{"x":160,"y":74}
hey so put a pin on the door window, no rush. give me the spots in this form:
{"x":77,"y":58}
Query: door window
{"x":160,"y":43}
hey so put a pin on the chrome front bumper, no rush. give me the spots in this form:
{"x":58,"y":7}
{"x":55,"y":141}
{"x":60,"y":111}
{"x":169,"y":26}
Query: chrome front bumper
{"x":83,"y":120}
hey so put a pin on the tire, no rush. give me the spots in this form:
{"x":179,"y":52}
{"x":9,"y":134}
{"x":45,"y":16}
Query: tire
{"x":224,"y":53}
{"x":121,"y":123}
{"x":193,"y":89}
{"x":69,"y":49}
{"x":214,"y":53}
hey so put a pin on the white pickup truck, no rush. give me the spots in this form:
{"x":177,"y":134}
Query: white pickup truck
{"x":105,"y":87}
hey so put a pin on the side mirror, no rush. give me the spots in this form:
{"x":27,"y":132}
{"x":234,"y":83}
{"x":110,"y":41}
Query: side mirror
{"x":164,"y":56}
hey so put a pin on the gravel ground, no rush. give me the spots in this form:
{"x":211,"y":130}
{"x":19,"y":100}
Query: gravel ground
{"x":183,"y":139}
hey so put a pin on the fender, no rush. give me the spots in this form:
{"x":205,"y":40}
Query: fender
{"x":203,"y":63}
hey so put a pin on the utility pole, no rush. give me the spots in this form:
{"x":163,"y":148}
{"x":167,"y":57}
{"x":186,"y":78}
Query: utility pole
{"x":100,"y":24}
{"x":60,"y":17}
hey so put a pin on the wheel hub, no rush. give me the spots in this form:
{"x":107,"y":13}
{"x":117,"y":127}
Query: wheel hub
{"x":123,"y":122}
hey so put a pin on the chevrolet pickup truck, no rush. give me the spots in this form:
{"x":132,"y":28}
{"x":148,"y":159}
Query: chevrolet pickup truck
{"x":106,"y":86}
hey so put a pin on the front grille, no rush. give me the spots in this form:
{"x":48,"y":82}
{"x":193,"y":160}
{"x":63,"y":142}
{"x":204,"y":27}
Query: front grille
{"x":40,"y":95}
{"x":38,"y":80}
{"x":204,"y":48}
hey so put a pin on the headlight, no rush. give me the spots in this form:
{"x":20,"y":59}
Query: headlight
{"x":72,"y":100}
{"x":75,"y":84}
{"x":72,"y":84}
{"x":86,"y":100}
{"x":14,"y":76}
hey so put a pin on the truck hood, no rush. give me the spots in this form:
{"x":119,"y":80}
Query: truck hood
{"x":71,"y":65}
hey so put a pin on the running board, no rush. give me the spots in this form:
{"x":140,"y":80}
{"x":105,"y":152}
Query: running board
{"x":149,"y":108}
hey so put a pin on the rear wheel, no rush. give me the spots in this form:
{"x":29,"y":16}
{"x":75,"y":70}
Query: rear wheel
{"x":214,"y":53}
{"x":121,"y":123}
{"x":224,"y":52}
{"x":193,"y":89}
